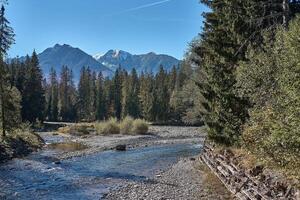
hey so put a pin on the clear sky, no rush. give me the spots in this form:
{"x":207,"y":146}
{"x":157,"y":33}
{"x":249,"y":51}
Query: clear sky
{"x":95,"y":26}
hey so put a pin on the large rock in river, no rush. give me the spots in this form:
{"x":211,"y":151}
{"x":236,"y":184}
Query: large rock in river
{"x":121,"y":147}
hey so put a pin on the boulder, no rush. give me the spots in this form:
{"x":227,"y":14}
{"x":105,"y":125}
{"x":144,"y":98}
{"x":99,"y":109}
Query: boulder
{"x":121,"y":147}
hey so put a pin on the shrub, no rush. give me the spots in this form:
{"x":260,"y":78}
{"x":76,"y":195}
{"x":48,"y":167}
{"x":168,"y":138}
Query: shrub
{"x":126,"y":125}
{"x":64,"y":130}
{"x":270,"y":79}
{"x":140,"y":126}
{"x":109,"y":127}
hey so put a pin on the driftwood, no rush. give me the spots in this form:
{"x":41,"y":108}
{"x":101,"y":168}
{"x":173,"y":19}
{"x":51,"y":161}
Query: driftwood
{"x":246,"y":185}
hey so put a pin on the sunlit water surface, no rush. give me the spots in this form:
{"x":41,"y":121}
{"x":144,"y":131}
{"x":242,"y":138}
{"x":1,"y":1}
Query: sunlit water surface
{"x":88,"y":177}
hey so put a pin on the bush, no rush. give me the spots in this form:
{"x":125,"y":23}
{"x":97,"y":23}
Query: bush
{"x":271,"y":80}
{"x":126,"y":125}
{"x":140,"y":127}
{"x":26,"y":135}
{"x":108,"y":127}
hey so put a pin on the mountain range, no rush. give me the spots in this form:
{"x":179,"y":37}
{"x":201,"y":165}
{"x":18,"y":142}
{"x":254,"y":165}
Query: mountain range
{"x":107,"y":63}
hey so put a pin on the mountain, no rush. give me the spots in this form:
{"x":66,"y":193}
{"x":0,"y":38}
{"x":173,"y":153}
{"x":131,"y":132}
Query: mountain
{"x":74,"y":58}
{"x":107,"y":63}
{"x":143,"y":63}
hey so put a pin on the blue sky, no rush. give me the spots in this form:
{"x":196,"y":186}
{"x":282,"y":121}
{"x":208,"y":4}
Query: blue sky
{"x":95,"y":26}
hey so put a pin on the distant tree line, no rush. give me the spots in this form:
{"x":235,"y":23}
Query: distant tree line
{"x":155,"y":98}
{"x":145,"y":96}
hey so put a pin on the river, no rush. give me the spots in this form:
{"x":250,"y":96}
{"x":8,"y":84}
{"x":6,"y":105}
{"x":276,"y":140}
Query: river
{"x":87,"y":177}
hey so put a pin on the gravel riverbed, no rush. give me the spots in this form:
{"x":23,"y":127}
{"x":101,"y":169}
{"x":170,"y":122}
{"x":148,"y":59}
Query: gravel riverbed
{"x":188,"y":179}
{"x":158,"y":135}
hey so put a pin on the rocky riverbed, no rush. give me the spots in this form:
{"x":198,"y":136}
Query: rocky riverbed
{"x":163,"y":164}
{"x":157,"y":135}
{"x":188,"y":179}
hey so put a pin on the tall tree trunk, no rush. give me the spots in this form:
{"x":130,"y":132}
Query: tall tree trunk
{"x":2,"y":106}
{"x":286,"y":12}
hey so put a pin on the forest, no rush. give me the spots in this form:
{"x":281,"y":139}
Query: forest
{"x":157,"y":98}
{"x":240,"y":77}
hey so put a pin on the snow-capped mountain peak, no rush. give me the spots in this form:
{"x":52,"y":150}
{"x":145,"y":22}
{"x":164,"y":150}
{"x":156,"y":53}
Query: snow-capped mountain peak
{"x":149,"y":62}
{"x":98,"y":56}
{"x":116,"y":53}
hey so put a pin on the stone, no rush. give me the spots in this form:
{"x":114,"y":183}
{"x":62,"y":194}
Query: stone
{"x":121,"y":147}
{"x":57,"y":162}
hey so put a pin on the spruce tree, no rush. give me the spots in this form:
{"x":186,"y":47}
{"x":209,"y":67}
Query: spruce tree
{"x":125,"y":95}
{"x":67,"y":95}
{"x":230,"y":26}
{"x":146,"y":96}
{"x":33,"y":101}
{"x":93,"y":97}
{"x":117,"y":84}
{"x":100,"y":100}
{"x":6,"y":40}
{"x":162,"y":96}
{"x":53,"y":97}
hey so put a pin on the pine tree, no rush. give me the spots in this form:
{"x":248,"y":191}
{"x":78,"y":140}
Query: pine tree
{"x":67,"y":95}
{"x":125,"y":95}
{"x":108,"y":99}
{"x":33,"y":101}
{"x":6,"y":40}
{"x":100,"y":100}
{"x":117,"y":84}
{"x":93,"y":97}
{"x":87,"y":95}
{"x":133,"y":95}
{"x":162,"y":96}
{"x":146,"y":97}
{"x":53,"y":97}
{"x":230,"y":27}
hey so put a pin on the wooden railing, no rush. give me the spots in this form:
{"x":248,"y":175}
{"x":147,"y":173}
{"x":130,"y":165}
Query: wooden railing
{"x":243,"y":185}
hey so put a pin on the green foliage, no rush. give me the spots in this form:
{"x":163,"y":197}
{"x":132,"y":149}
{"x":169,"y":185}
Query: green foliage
{"x":33,"y":96}
{"x":11,"y":107}
{"x":229,"y":28}
{"x":185,"y":99}
{"x":146,"y":96}
{"x":100,"y":98}
{"x":271,"y":80}
{"x":52,"y":99}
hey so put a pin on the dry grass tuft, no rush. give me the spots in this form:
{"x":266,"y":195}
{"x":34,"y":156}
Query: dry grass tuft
{"x":140,"y":127}
{"x":108,"y":127}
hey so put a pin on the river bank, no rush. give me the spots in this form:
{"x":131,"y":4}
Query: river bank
{"x":18,"y":144}
{"x":188,"y":179}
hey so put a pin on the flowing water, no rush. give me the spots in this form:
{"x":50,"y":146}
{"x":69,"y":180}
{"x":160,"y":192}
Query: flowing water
{"x":87,"y":177}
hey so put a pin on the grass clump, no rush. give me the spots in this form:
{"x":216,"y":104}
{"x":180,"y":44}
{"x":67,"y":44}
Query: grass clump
{"x":126,"y":125}
{"x":108,"y":127}
{"x":140,"y":127}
